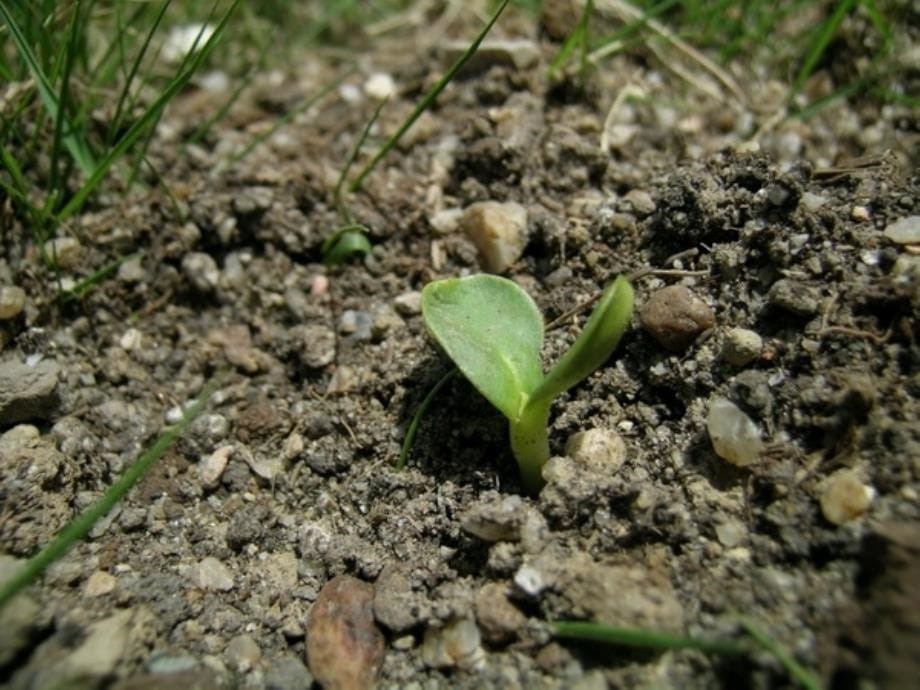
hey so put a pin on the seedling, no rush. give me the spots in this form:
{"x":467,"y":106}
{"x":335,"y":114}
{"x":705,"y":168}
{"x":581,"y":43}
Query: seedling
{"x":493,"y":332}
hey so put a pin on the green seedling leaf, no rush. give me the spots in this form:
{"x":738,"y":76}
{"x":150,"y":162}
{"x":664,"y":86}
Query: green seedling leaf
{"x":345,"y":242}
{"x":493,"y":332}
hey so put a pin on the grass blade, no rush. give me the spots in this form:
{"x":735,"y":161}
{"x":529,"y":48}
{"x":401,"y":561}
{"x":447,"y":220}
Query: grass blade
{"x":80,"y":527}
{"x":644,"y":639}
{"x":429,"y":98}
{"x":825,"y":34}
{"x":138,"y":128}
{"x":74,"y":143}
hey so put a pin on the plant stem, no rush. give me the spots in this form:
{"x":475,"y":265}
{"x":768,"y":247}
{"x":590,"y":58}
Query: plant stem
{"x":530,"y":442}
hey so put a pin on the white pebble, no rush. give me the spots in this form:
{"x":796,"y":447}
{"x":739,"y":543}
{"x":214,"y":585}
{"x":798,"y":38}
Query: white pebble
{"x":845,"y":497}
{"x":66,"y":251}
{"x":456,"y":644}
{"x":211,"y":467}
{"x":380,"y":86}
{"x":12,"y":301}
{"x":499,"y":232}
{"x":601,"y":450}
{"x":859,"y":214}
{"x":735,"y":437}
{"x":131,"y":339}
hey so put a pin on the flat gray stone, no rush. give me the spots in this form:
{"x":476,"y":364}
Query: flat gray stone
{"x":27,"y":392}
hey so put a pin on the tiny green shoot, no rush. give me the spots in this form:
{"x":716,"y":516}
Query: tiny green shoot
{"x":493,"y":332}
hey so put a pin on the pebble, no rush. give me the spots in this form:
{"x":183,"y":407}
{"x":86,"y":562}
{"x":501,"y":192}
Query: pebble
{"x":132,"y":270}
{"x":380,"y":86}
{"x":860,"y":214}
{"x":498,"y":618}
{"x":845,"y":497}
{"x":794,"y":296}
{"x":103,"y":646}
{"x":641,"y":202}
{"x":813,"y":201}
{"x":499,"y":231}
{"x":317,"y":345}
{"x":211,"y":574}
{"x":599,"y":450}
{"x":253,"y":200}
{"x":355,"y":325}
{"x":529,"y":580}
{"x":18,"y":619}
{"x":211,"y":467}
{"x":408,"y":303}
{"x":396,"y":605}
{"x":675,"y":316}
{"x":904,"y":231}
{"x":344,"y":646}
{"x":67,"y":251}
{"x":730,"y":532}
{"x":12,"y":301}
{"x":735,"y":437}
{"x":99,"y":584}
{"x":288,"y":673}
{"x":456,"y":645}
{"x":27,"y":391}
{"x":201,"y":271}
{"x":131,"y":340}
{"x":243,"y":653}
{"x":446,"y":221}
{"x":495,"y":519}
{"x":741,"y":347}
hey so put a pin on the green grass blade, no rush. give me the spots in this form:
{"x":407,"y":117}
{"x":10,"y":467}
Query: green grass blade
{"x":287,"y":117}
{"x":77,"y":147}
{"x":429,"y":98}
{"x":339,"y":202}
{"x":138,"y":128}
{"x":80,"y":290}
{"x":825,"y":34}
{"x":411,"y":432}
{"x":803,"y":676}
{"x":115,"y":124}
{"x":83,"y":523}
{"x":644,"y":639}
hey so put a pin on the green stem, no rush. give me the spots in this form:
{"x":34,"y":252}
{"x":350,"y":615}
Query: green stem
{"x":530,"y":442}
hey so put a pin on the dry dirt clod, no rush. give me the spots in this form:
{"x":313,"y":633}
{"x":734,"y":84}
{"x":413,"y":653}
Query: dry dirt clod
{"x":344,"y":646}
{"x":498,"y":618}
{"x":675,"y":316}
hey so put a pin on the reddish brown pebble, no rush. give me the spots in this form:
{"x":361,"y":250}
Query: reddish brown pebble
{"x":675,"y":316}
{"x":344,"y":646}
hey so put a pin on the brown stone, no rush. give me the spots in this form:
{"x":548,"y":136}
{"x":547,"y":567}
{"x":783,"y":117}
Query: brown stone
{"x":675,"y":316}
{"x":344,"y":646}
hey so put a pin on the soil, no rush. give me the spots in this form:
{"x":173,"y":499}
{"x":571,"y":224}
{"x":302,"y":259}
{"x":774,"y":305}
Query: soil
{"x":205,"y":575}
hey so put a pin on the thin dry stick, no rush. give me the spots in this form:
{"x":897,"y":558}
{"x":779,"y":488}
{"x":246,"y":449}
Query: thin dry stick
{"x":629,"y":12}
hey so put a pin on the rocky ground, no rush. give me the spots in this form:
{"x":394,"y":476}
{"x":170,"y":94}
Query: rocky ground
{"x":777,"y":287}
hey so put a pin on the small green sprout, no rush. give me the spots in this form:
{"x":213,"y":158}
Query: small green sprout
{"x":493,"y":332}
